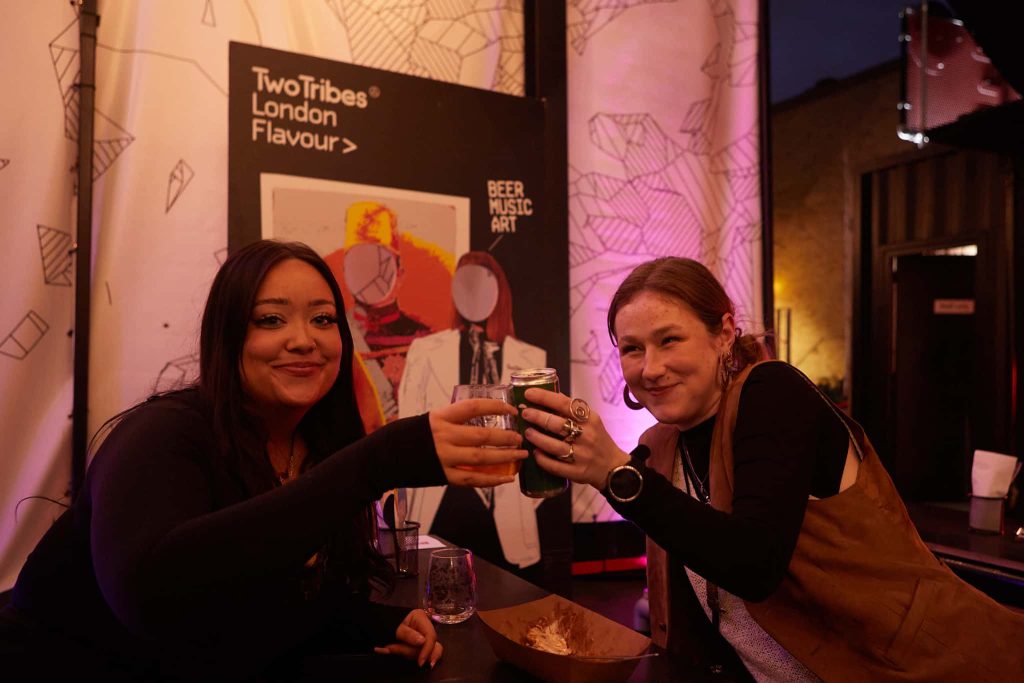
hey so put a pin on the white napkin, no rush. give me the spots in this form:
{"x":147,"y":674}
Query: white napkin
{"x":992,"y":473}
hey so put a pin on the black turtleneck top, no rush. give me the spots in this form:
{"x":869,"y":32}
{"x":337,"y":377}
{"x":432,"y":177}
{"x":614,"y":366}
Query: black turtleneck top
{"x":788,"y":445}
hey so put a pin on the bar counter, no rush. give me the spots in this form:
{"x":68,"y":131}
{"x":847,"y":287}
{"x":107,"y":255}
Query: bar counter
{"x":467,"y":655}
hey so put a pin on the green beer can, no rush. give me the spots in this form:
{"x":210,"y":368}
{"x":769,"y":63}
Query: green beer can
{"x":533,"y":481}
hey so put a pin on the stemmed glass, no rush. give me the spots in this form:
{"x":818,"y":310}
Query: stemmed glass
{"x":451,"y":586}
{"x":501,"y":392}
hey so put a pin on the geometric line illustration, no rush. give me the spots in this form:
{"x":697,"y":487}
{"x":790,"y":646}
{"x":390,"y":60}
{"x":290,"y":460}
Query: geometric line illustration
{"x":446,"y":40}
{"x":177,"y":374}
{"x":54,"y":249}
{"x":181,"y":175}
{"x":208,"y":17}
{"x":610,"y":379}
{"x":109,"y":139}
{"x":695,"y":126}
{"x":64,"y":55}
{"x":671,"y":200}
{"x":588,"y":505}
{"x":3,"y":163}
{"x":743,"y":65}
{"x":742,"y":155}
{"x":592,"y":347}
{"x":636,"y":140}
{"x":24,"y":337}
{"x":578,"y":294}
{"x":691,"y":189}
{"x":584,"y":18}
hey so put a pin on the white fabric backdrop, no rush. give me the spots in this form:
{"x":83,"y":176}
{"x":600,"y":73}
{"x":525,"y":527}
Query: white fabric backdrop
{"x":662,"y":148}
{"x":663,"y":156}
{"x":37,"y":158}
{"x":161,"y":193}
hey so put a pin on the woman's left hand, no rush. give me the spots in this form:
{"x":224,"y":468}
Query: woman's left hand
{"x":416,"y":639}
{"x":594,"y":454}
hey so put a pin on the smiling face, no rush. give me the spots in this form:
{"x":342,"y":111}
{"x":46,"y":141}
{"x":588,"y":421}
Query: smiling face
{"x":292,"y":350}
{"x":669,"y":358}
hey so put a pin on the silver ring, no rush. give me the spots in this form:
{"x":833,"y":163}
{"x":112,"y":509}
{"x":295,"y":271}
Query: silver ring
{"x":579,"y":409}
{"x":569,"y":457}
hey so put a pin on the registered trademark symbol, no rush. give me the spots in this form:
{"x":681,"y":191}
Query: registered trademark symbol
{"x":374,"y":91}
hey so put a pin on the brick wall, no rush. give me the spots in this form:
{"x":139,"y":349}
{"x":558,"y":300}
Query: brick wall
{"x":820,"y":141}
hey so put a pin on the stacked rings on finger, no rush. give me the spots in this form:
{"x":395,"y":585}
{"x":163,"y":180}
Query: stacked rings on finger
{"x":569,"y":457}
{"x":572,"y":430}
{"x":580,"y":410}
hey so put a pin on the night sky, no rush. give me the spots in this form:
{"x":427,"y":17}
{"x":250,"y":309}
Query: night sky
{"x":810,"y":40}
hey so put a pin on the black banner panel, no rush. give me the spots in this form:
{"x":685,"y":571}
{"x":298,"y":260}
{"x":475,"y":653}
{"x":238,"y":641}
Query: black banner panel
{"x":426,"y":199}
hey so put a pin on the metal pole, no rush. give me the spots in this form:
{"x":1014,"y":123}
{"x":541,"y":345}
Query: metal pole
{"x":923,"y":79}
{"x":88,"y":21}
{"x":765,"y":126}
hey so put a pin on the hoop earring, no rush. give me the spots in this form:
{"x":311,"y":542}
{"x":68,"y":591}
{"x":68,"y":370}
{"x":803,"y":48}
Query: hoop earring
{"x":629,"y":401}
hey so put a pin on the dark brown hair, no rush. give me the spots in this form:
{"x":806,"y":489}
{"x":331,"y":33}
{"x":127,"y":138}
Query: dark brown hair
{"x":329,"y":426}
{"x":499,"y":322}
{"x":691,"y":283}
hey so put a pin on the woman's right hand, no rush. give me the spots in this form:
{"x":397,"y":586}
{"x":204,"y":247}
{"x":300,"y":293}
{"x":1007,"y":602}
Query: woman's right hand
{"x":595,"y":453}
{"x":460,"y":445}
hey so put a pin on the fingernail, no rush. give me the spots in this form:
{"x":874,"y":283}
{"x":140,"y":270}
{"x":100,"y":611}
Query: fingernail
{"x":420,"y":639}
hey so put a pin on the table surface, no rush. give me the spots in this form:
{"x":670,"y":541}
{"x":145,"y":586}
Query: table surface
{"x":467,"y":655}
{"x":945,"y":530}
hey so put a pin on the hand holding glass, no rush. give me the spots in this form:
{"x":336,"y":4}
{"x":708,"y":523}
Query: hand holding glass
{"x":501,"y":392}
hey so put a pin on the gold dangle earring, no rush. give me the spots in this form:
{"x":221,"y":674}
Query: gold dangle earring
{"x":728,"y":364}
{"x":726,"y":368}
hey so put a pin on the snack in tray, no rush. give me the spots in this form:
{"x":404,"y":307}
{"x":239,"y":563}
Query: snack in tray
{"x":562,"y":633}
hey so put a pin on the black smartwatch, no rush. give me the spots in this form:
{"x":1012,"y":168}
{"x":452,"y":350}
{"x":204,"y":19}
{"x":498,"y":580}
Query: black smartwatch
{"x":625,"y":483}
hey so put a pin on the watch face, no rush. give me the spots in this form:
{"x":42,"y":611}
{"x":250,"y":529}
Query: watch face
{"x":625,"y":483}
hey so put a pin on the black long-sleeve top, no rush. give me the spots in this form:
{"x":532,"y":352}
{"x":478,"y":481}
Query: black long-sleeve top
{"x":788,"y":445}
{"x":173,"y":561}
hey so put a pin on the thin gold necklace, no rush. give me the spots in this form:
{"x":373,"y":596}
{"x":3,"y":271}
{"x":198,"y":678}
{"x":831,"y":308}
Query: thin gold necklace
{"x":291,"y":469}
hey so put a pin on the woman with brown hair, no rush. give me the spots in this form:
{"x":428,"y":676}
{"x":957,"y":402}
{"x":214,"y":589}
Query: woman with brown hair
{"x":777,"y":544}
{"x":224,"y":530}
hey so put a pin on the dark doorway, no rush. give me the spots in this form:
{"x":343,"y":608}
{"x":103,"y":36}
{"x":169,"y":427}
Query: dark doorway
{"x":929,"y":387}
{"x":932,"y":375}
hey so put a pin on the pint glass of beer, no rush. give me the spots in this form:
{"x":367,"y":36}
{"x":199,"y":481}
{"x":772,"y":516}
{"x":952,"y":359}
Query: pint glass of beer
{"x":500,"y":392}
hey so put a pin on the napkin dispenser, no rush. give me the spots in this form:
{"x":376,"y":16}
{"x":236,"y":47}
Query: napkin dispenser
{"x":991,"y":476}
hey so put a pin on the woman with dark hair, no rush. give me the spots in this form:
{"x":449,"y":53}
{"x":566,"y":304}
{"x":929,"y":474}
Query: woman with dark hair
{"x":224,"y":530}
{"x":777,"y":544}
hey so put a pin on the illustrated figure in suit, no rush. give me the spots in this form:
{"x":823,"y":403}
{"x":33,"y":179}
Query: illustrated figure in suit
{"x":480,"y":348}
{"x":381,"y":330}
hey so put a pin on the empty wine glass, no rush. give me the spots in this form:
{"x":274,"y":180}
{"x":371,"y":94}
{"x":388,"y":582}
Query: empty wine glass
{"x":451,"y":586}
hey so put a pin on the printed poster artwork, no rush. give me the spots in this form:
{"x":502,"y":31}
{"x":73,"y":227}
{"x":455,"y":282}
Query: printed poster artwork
{"x":391,"y":252}
{"x":420,"y":195}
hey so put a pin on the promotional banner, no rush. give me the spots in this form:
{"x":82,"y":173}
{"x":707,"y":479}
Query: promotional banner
{"x":423,"y":197}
